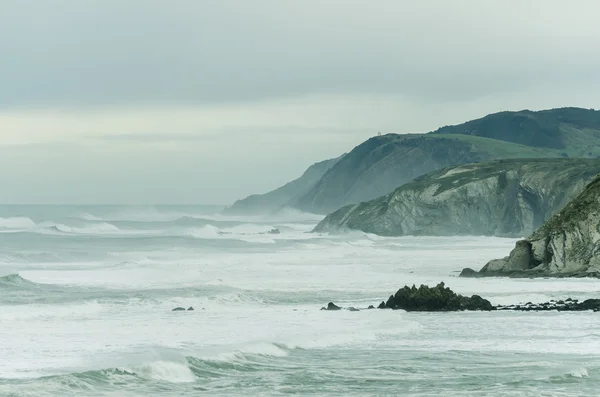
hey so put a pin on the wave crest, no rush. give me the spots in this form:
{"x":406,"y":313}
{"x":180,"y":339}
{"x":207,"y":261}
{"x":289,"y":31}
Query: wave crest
{"x":15,"y":280}
{"x":17,"y":223}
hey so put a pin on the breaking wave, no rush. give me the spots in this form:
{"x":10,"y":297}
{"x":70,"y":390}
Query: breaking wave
{"x":15,"y":280}
{"x":18,"y":223}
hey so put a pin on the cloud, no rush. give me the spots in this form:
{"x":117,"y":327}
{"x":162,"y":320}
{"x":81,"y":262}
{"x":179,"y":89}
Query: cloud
{"x":109,"y":52}
{"x":207,"y":101}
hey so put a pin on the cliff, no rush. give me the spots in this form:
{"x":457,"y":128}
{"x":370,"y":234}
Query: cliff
{"x":498,"y":198}
{"x":566,"y":245}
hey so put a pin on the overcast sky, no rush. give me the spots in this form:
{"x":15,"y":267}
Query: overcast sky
{"x":201,"y":101}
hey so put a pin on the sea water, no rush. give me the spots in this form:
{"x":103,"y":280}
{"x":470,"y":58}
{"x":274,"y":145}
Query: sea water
{"x":86,"y":299}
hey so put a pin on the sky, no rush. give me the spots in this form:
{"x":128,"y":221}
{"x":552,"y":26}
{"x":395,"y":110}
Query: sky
{"x":205,"y":102}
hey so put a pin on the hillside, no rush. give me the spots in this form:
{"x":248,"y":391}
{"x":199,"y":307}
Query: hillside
{"x":381,"y":164}
{"x":571,"y":130}
{"x":567,"y":245}
{"x":498,"y":198}
{"x":264,"y":203}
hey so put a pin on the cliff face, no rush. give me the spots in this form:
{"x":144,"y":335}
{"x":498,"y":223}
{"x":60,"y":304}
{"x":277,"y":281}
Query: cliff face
{"x":268,"y":202}
{"x":567,"y":245}
{"x":498,"y":198}
{"x":381,"y":164}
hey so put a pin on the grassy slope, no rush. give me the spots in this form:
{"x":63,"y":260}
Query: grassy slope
{"x":573,"y":131}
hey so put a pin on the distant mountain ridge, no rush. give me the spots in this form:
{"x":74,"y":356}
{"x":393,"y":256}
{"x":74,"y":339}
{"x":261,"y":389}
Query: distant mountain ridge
{"x":284,"y":195}
{"x":382,"y":163}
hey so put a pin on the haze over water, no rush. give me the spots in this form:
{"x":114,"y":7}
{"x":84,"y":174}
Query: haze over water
{"x":86,"y":295}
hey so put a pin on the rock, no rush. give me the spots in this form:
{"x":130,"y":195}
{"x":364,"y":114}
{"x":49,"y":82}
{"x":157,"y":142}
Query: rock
{"x":468,"y":272}
{"x":331,"y":306}
{"x":274,"y":231}
{"x":190,"y":309}
{"x":590,"y":304}
{"x":381,"y":305}
{"x":566,"y":245}
{"x":178,"y":309}
{"x":438,"y":298}
{"x":476,"y":302}
{"x":353,"y":309}
{"x":371,"y":307}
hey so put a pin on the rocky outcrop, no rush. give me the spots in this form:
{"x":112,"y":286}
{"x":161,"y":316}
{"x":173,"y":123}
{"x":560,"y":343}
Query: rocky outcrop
{"x":497,"y":198}
{"x":435,"y":299}
{"x":567,"y":245}
{"x":442,"y":299}
{"x":285,"y":195}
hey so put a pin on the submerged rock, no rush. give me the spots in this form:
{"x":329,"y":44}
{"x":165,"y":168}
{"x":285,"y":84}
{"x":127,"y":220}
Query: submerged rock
{"x":190,"y":308}
{"x":178,"y":309}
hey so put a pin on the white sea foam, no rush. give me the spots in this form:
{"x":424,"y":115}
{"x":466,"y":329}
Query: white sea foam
{"x":580,"y":373}
{"x":19,"y":223}
{"x":174,"y":372}
{"x":107,"y":305}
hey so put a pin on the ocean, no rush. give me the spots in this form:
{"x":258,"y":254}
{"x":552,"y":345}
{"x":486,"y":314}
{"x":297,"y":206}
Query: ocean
{"x":87,"y":292}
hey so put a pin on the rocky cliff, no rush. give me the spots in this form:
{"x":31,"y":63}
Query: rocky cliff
{"x":498,"y":198}
{"x":284,"y":195}
{"x":567,"y":245}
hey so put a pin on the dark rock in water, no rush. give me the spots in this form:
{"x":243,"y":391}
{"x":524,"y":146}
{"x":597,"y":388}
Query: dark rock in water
{"x":274,"y":231}
{"x":371,"y":307}
{"x":590,"y":304}
{"x":190,"y":309}
{"x":353,"y":309}
{"x":476,"y":302}
{"x":468,"y":272}
{"x":568,"y":305}
{"x":381,"y":305}
{"x":435,"y":299}
{"x":179,"y":309}
{"x":331,"y":306}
